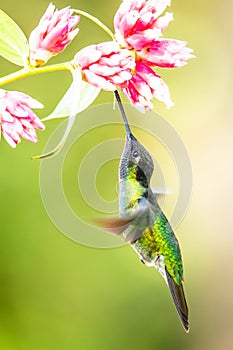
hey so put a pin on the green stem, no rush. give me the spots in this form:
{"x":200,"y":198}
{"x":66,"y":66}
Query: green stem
{"x":96,"y":21}
{"x":26,"y":72}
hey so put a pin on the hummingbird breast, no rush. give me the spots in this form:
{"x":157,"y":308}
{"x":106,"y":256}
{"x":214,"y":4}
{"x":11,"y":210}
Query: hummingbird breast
{"x":133,"y":186}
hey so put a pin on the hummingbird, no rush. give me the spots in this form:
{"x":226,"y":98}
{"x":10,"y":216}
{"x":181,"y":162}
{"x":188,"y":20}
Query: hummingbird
{"x":142,"y":222}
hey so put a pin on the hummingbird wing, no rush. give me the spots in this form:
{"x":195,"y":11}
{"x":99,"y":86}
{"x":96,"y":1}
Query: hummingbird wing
{"x":178,"y":296}
{"x":161,"y":191}
{"x":115,"y":225}
{"x":132,"y":226}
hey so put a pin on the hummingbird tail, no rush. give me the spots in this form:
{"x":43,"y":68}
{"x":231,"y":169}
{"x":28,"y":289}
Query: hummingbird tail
{"x":178,"y":296}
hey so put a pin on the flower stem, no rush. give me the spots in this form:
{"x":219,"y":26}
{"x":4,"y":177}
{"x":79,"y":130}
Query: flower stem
{"x":26,"y":72}
{"x":96,"y":21}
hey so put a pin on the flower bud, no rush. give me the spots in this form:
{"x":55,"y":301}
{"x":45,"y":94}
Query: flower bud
{"x":54,"y":32}
{"x":16,"y":117}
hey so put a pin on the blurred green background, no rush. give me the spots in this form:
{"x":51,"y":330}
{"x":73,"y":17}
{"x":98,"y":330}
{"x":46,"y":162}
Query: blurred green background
{"x":57,"y":294}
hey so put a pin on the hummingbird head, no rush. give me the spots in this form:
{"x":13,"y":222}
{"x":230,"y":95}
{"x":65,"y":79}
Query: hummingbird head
{"x":136,"y":158}
{"x":136,"y":163}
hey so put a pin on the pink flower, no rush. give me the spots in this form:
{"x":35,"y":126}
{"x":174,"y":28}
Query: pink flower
{"x":54,"y":32}
{"x":166,"y":53}
{"x":106,"y":65}
{"x":16,"y":117}
{"x":136,"y":22}
{"x":145,"y":85}
{"x":138,"y":27}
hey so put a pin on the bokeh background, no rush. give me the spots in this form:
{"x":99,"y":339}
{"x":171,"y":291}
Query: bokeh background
{"x":57,"y":294}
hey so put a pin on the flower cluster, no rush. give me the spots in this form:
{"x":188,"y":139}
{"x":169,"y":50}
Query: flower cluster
{"x":106,"y":65}
{"x":54,"y":32}
{"x":138,"y":27}
{"x":125,"y":63}
{"x":16,"y":117}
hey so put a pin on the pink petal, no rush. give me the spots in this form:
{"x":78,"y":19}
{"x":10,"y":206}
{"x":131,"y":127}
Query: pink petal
{"x":163,"y":22}
{"x":122,"y":78}
{"x":48,"y":13}
{"x":54,"y":32}
{"x":87,"y":56}
{"x":104,"y":71}
{"x":106,"y":65}
{"x":108,"y":47}
{"x":134,"y":18}
{"x":141,"y":40}
{"x":145,"y":85}
{"x":25,"y":99}
{"x":137,"y":100}
{"x":16,"y":117}
{"x":7,"y":117}
{"x":99,"y":81}
{"x":160,"y":5}
{"x":37,"y":124}
{"x":121,"y":39}
{"x":125,"y":7}
{"x":167,"y":53}
{"x":142,"y":87}
{"x":128,"y":21}
{"x":9,"y":139}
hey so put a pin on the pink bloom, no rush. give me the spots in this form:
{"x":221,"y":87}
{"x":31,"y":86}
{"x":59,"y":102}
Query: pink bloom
{"x":16,"y":117}
{"x":138,"y":27}
{"x":145,"y":85}
{"x":136,"y":22}
{"x":106,"y":65}
{"x":166,"y":53}
{"x":54,"y":32}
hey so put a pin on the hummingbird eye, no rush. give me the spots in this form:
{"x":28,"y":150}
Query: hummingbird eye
{"x":135,"y":154}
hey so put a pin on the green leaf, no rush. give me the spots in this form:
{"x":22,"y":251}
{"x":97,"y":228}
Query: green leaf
{"x":88,"y":94}
{"x":77,"y":98}
{"x":13,"y":43}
